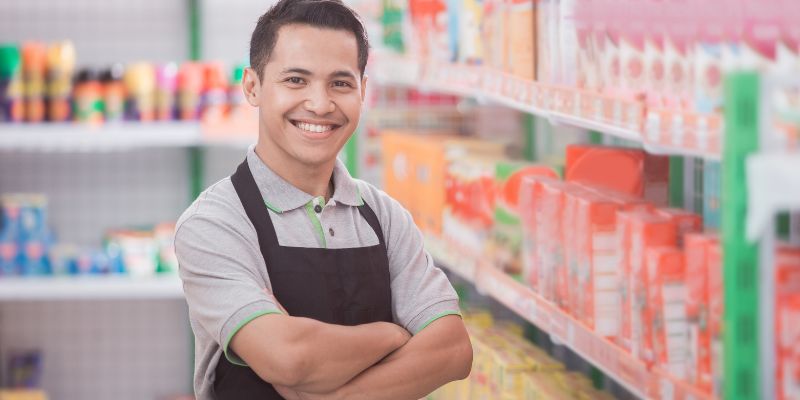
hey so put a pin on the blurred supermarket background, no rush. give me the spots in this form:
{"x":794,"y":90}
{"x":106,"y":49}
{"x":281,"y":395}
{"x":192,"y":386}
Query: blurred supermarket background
{"x":613,"y":186}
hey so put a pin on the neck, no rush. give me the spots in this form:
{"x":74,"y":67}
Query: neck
{"x":312,"y":179}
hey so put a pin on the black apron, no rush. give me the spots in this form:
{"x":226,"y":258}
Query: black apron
{"x":336,"y":286}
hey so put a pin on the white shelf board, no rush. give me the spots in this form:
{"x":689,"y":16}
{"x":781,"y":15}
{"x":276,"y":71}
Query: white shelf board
{"x":89,"y":288}
{"x":75,"y":137}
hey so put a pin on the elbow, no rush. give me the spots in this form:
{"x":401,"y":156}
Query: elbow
{"x":288,"y":369}
{"x":462,"y":359}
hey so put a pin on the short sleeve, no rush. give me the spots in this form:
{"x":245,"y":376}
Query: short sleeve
{"x":219,"y":266}
{"x":421,"y":292}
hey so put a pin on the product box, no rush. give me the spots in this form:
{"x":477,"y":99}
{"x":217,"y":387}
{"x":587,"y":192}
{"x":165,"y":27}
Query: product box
{"x":494,"y":31}
{"x":471,"y":48}
{"x":529,"y":197}
{"x":633,"y":75}
{"x":568,"y":45}
{"x":547,"y":13}
{"x":598,"y":279}
{"x":549,"y":211}
{"x":507,"y":229}
{"x":787,"y":321}
{"x":638,"y":230}
{"x":522,"y":38}
{"x":606,"y":167}
{"x":686,"y":221}
{"x":666,"y":311}
{"x":470,"y":195}
{"x":697,"y":305}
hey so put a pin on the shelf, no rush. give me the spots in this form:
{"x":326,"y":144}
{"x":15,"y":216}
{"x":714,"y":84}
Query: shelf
{"x":659,"y":131}
{"x":615,"y":362}
{"x":90,"y":288}
{"x":74,"y":137}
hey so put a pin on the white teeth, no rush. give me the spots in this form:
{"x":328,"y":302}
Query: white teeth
{"x":314,"y":128}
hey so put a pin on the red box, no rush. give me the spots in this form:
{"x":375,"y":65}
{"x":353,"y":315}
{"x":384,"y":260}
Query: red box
{"x":641,"y":230}
{"x":787,"y":321}
{"x":598,"y":277}
{"x":687,"y":222}
{"x":716,"y":308}
{"x":666,"y":312}
{"x":530,"y":195}
{"x":549,"y":214}
{"x":697,"y":246}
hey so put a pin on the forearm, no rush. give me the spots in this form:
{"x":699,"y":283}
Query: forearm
{"x":311,"y":355}
{"x":439,"y":354}
{"x":335,"y":354}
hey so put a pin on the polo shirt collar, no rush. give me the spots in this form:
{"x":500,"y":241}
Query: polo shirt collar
{"x":281,"y":196}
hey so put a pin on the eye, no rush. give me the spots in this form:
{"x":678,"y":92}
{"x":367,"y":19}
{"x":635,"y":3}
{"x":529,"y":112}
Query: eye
{"x":295,"y":80}
{"x":342,"y":84}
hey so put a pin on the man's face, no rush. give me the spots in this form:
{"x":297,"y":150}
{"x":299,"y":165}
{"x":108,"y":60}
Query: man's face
{"x":311,"y":94}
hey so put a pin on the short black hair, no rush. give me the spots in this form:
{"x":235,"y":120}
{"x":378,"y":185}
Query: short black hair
{"x":331,"y":14}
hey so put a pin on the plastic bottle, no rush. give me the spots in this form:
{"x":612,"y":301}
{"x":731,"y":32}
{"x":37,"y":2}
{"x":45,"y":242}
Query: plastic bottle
{"x":166,"y":80}
{"x":11,"y":107}
{"x":190,"y":82}
{"x":88,"y":97}
{"x":215,"y":96}
{"x":60,"y":67}
{"x":9,"y":237}
{"x":237,"y":103}
{"x":35,"y":237}
{"x":140,"y":82}
{"x":34,"y":69}
{"x":113,"y":93}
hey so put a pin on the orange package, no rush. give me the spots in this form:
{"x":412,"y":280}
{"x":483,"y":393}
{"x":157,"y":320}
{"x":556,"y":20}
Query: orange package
{"x":787,"y":321}
{"x":687,"y":221}
{"x":641,"y":230}
{"x":666,"y":313}
{"x":606,"y":167}
{"x":568,"y":289}
{"x":529,"y":197}
{"x":629,"y":171}
{"x":697,"y":306}
{"x":598,"y":280}
{"x":397,"y":166}
{"x":549,"y":211}
{"x":716,"y":308}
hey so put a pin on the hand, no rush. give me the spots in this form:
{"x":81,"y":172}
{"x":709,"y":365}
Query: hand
{"x":291,"y":394}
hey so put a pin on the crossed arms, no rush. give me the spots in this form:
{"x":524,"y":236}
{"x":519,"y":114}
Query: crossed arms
{"x":310,"y":360}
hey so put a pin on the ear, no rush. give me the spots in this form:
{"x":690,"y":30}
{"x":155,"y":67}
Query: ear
{"x":251,"y":87}
{"x":364,"y":80}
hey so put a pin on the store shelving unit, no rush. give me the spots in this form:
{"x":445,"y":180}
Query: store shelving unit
{"x":612,"y":360}
{"x":658,"y":131}
{"x":90,"y":288}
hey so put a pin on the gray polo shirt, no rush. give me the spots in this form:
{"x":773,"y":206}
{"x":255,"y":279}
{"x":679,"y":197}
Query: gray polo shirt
{"x":225,"y":277}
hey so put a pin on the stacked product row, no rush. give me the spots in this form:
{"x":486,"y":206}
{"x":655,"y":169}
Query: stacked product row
{"x":39,"y":83}
{"x":508,"y":367}
{"x":28,"y":246}
{"x":669,"y":56}
{"x":601,"y":245}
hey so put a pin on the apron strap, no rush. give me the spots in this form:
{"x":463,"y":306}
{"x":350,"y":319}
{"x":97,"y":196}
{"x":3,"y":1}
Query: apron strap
{"x":372,"y":220}
{"x":254,"y":206}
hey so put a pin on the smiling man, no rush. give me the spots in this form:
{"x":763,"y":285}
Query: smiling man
{"x":302,"y":282}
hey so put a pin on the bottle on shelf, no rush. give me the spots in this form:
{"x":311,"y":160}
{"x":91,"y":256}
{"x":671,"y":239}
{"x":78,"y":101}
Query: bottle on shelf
{"x":113,"y":93}
{"x":166,"y":81}
{"x":88,"y":97}
{"x":60,"y":67}
{"x":34,"y":69}
{"x":11,"y":108}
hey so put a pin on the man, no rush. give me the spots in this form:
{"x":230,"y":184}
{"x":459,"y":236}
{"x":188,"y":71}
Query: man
{"x":302,"y":282}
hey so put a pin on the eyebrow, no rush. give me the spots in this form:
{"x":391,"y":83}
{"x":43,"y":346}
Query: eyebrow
{"x":305,"y":72}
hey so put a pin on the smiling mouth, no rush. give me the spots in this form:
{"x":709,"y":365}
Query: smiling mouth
{"x":314,"y":128}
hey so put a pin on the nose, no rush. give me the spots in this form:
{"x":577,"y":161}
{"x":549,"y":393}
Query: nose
{"x":319,"y":102}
